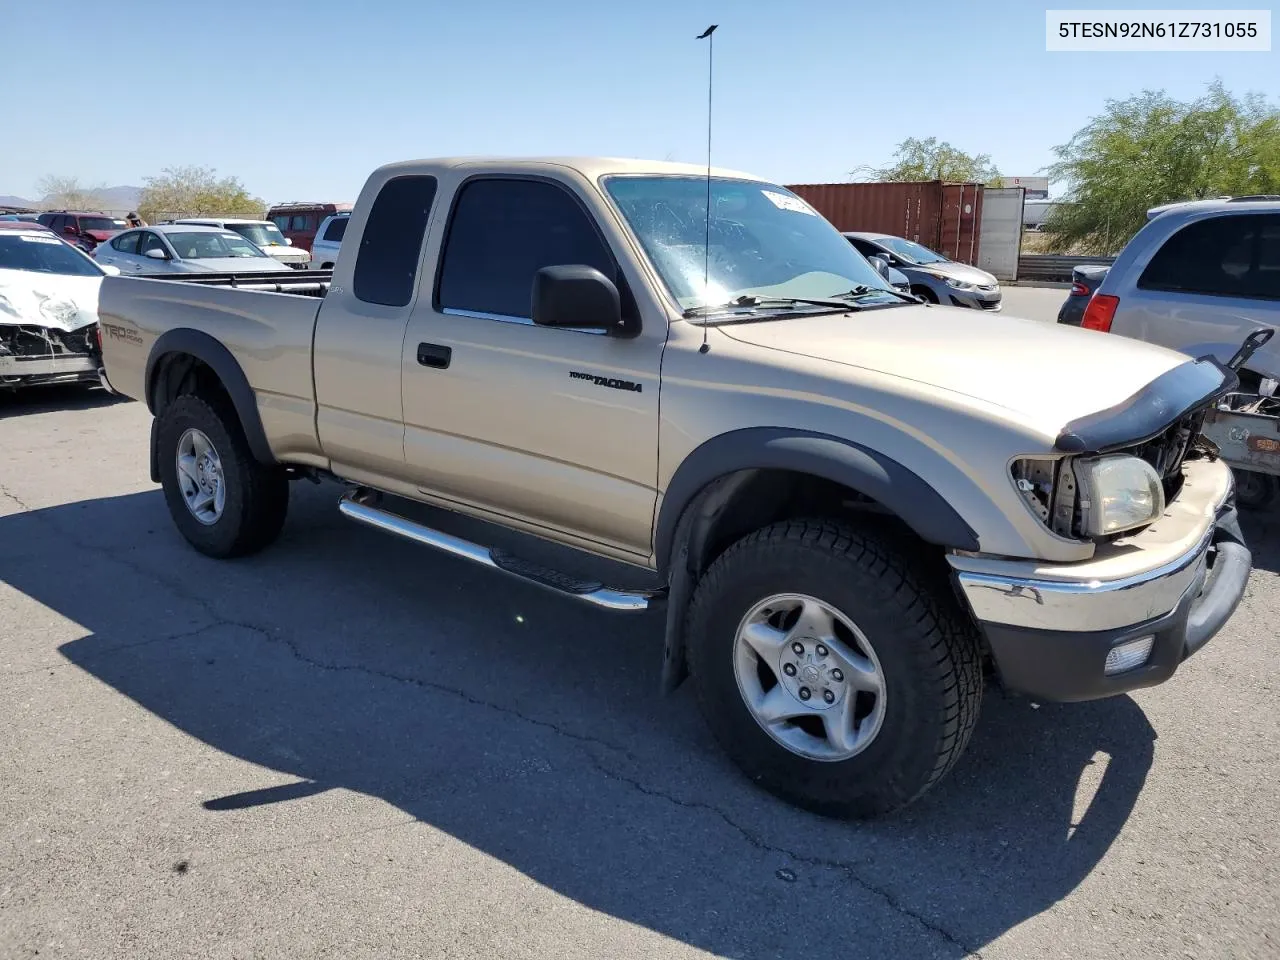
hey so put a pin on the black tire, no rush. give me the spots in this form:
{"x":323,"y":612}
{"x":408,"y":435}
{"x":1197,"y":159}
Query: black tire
{"x":925,"y":294}
{"x":1255,"y":491}
{"x":927,"y":648}
{"x":257,"y":496}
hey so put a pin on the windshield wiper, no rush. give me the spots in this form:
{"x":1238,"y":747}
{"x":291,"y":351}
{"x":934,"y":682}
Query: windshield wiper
{"x":862,"y":290}
{"x":749,"y":302}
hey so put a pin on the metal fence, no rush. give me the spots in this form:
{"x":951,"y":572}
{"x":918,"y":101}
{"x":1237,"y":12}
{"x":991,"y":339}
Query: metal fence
{"x":1055,"y":267}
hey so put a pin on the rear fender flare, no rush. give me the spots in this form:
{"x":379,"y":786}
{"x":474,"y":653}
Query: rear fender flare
{"x":220,"y":360}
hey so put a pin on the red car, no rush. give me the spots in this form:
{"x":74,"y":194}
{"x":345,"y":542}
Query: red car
{"x":299,"y":221}
{"x":85,"y":230}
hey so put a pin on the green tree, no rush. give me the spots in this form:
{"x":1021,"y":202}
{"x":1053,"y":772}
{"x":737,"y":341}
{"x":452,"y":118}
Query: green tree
{"x":195,"y":192}
{"x":927,"y":159}
{"x":68,"y":193}
{"x":1153,"y":149}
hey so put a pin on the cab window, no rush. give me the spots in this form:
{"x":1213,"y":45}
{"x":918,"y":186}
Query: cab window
{"x":386,"y":269}
{"x":502,"y":233}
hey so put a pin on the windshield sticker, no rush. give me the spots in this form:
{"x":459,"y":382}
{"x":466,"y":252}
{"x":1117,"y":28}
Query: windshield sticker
{"x":784,"y":202}
{"x":29,"y":239}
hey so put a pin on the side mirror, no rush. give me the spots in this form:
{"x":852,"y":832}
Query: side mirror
{"x":579,"y":297}
{"x":109,"y":270}
{"x":881,"y":264}
{"x":288,"y":242}
{"x":69,"y":230}
{"x":156,"y":254}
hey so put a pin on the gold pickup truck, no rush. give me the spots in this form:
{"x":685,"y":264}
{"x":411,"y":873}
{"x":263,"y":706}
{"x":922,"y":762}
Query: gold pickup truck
{"x":850,"y":502}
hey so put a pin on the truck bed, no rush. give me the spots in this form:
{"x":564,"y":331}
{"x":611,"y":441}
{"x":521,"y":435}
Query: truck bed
{"x":264,"y":321}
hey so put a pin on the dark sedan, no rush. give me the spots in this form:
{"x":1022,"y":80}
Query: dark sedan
{"x":1085,"y":279}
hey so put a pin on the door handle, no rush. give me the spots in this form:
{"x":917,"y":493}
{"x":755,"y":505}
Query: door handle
{"x":434,"y":355}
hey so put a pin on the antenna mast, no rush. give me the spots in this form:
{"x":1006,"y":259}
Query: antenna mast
{"x":706,"y":247}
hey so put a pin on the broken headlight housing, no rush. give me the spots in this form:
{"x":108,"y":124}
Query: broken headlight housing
{"x":1118,"y":492}
{"x":1093,"y":497}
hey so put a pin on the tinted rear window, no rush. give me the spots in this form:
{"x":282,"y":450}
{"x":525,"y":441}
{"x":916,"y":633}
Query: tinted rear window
{"x":387,"y":264}
{"x":336,"y":229}
{"x":1227,"y":256}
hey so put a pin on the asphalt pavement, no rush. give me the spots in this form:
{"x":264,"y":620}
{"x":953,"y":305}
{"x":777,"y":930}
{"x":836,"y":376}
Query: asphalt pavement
{"x":1034,"y":303}
{"x":351,"y":747}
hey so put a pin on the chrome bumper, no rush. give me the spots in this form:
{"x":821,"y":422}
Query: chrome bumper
{"x":1050,"y":632}
{"x":1034,"y":603}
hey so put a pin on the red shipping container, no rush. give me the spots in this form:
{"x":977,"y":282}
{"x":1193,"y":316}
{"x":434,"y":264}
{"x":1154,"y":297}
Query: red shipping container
{"x":943,"y":216}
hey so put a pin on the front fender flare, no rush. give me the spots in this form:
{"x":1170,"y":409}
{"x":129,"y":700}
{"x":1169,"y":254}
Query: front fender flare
{"x":841,"y":461}
{"x":219,"y":359}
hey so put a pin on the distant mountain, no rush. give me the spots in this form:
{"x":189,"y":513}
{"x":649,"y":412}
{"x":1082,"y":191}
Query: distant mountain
{"x":113,"y":198}
{"x":121,"y":198}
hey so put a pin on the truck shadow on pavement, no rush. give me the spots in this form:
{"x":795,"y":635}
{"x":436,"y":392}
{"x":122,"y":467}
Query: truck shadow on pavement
{"x":72,"y":396}
{"x":529,"y":728}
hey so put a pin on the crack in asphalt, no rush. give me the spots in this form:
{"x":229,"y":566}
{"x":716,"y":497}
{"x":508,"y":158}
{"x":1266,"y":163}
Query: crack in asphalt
{"x":848,"y":871}
{"x":5,"y":492}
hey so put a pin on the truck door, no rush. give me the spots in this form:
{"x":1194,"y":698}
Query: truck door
{"x":360,"y":333}
{"x":554,"y":428}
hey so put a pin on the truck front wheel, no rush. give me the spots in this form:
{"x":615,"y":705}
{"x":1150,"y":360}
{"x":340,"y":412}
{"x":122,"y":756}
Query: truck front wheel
{"x":833,"y":673}
{"x":222,"y":500}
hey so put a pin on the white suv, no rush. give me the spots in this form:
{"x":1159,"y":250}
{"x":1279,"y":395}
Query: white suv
{"x":324,"y":248}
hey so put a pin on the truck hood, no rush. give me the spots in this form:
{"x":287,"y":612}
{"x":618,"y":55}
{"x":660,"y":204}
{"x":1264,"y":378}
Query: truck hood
{"x":1047,"y":374}
{"x":51,"y":300}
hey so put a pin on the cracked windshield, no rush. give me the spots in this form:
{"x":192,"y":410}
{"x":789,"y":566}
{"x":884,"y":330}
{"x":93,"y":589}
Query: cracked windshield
{"x":765,"y":242}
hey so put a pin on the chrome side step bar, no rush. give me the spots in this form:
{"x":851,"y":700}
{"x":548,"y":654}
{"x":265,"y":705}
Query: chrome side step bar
{"x":354,"y":505}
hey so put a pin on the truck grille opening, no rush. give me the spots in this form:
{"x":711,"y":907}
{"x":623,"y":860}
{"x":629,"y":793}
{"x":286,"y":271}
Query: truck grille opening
{"x":1167,"y":451}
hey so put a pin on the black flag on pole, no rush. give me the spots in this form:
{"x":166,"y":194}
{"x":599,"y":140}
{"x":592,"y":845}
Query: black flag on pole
{"x":707,"y":32}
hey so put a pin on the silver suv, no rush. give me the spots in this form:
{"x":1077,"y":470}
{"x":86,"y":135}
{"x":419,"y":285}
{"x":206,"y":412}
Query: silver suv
{"x":1198,"y":278}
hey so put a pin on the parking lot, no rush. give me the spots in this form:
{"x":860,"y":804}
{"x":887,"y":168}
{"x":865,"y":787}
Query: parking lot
{"x":348,"y":746}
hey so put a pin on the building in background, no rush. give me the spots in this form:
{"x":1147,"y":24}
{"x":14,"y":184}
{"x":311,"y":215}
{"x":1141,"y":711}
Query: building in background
{"x":1037,"y":188}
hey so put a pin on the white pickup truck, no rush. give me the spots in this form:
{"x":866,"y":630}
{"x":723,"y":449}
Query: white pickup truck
{"x":847,"y":500}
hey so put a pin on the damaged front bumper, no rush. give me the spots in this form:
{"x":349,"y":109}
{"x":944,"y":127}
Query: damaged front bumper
{"x":31,"y":356}
{"x":1124,"y":620}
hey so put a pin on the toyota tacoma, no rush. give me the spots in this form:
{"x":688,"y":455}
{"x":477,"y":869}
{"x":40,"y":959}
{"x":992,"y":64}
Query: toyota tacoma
{"x":850,"y":503}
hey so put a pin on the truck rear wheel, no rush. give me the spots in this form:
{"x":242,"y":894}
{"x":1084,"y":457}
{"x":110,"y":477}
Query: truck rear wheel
{"x":222,"y":500}
{"x":833,"y":673}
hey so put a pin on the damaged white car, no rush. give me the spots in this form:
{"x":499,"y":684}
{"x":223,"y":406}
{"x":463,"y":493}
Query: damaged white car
{"x":48,"y":310}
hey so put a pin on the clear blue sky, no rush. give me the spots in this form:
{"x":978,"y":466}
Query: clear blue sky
{"x":302,"y":98}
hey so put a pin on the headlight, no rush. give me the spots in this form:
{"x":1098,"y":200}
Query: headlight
{"x":1117,"y":493}
{"x":958,"y":284}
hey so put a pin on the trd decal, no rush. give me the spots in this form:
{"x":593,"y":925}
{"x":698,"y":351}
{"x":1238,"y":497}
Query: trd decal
{"x":120,"y":333}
